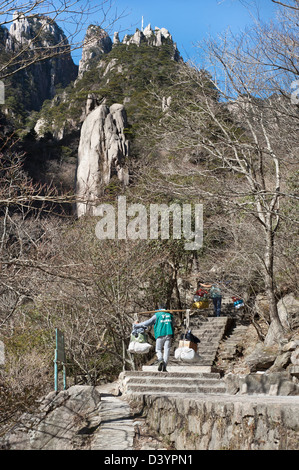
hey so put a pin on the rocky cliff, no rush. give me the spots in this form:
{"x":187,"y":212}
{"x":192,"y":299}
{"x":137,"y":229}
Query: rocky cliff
{"x":102,"y":152}
{"x":157,"y":37}
{"x":96,"y":43}
{"x":116,"y":78}
{"x":38,"y":40}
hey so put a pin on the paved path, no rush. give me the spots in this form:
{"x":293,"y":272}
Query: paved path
{"x":120,"y":428}
{"x":116,"y":431}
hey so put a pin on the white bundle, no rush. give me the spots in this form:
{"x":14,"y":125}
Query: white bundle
{"x":186,"y":355}
{"x":139,"y":348}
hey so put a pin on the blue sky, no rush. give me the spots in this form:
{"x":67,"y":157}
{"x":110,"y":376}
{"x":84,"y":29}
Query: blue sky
{"x":188,"y":21}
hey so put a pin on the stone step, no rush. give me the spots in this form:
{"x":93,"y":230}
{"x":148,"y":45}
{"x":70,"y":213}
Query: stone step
{"x":155,"y":382}
{"x":211,"y":319}
{"x":216,"y":331}
{"x":208,"y":327}
{"x":176,"y":389}
{"x":202,"y":347}
{"x":205,"y":337}
{"x":210,"y":332}
{"x":212,"y":339}
{"x":177,"y":367}
{"x":204,"y":354}
{"x":177,"y":374}
{"x":171,"y":381}
{"x":229,"y":345}
{"x":200,"y":360}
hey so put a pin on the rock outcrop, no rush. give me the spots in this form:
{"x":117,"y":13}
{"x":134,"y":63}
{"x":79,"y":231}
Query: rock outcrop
{"x":40,"y":36}
{"x":288,"y":311}
{"x":96,"y":43}
{"x":156,"y":37}
{"x":60,"y":423}
{"x":102,"y":153}
{"x":33,"y":29}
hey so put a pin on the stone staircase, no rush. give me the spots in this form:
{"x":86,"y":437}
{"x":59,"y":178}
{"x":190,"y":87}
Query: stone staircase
{"x":210,"y":331}
{"x":200,"y":377}
{"x":232,"y":345}
{"x":171,"y":383}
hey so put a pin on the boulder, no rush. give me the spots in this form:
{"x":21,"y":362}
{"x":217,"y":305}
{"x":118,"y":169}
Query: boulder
{"x":59,"y":422}
{"x":288,"y":311}
{"x":261,"y":358}
{"x":295,"y":357}
{"x":290,"y":346}
{"x":281,"y":362}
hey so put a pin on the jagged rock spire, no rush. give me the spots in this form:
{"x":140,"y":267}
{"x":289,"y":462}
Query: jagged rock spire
{"x":96,"y":43}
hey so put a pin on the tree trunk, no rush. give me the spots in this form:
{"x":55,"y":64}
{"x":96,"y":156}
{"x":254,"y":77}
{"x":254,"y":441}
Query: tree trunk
{"x":276,"y":330}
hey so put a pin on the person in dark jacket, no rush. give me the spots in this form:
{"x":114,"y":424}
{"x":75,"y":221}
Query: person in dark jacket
{"x":164,"y":330}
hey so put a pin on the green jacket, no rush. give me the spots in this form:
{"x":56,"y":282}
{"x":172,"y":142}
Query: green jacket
{"x":162,"y":321}
{"x":164,"y":324}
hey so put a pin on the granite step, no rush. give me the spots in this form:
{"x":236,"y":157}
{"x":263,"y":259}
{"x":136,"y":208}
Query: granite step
{"x":176,"y":389}
{"x":172,"y":382}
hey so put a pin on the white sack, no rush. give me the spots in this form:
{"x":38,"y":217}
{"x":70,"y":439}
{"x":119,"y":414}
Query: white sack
{"x":139,"y":348}
{"x":186,"y":355}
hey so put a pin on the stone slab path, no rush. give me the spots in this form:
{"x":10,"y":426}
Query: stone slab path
{"x":117,"y":429}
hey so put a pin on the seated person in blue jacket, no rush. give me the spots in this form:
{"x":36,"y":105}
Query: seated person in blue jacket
{"x":164,"y":330}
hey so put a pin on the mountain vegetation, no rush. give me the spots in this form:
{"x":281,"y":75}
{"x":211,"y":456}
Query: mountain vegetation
{"x":232,"y":148}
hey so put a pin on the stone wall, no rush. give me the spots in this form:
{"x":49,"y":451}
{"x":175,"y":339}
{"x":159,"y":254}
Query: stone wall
{"x":225,"y":422}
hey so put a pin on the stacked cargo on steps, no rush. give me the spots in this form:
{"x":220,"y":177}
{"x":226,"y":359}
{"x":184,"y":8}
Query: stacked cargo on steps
{"x":210,"y":331}
{"x":184,"y":378}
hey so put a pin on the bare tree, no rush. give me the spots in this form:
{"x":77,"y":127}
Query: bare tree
{"x":238,"y":128}
{"x":293,"y":5}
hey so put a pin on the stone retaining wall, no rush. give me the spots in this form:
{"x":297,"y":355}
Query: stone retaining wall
{"x":224,"y":422}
